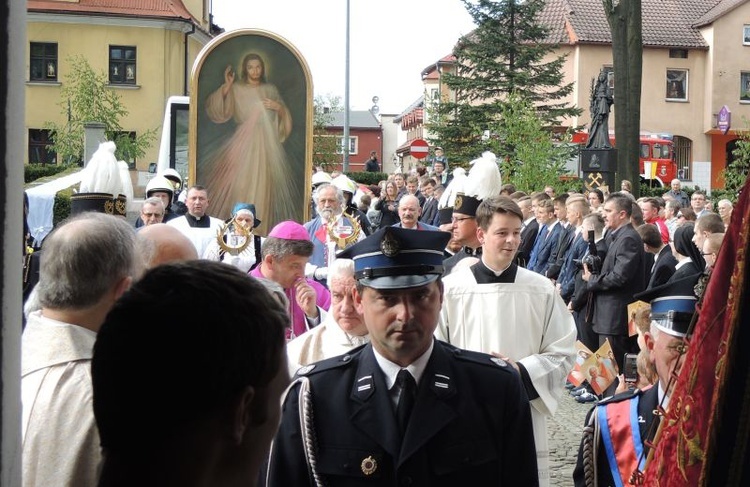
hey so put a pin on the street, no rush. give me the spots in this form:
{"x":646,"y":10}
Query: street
{"x":564,"y":431}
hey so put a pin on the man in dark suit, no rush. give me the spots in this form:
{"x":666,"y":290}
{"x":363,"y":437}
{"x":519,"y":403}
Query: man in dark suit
{"x":529,"y":231}
{"x":664,"y":264}
{"x":430,"y":207}
{"x":405,"y":409}
{"x":581,"y":302}
{"x":621,"y":276}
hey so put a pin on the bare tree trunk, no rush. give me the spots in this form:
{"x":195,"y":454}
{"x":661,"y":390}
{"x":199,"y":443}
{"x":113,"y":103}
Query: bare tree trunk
{"x":624,"y":17}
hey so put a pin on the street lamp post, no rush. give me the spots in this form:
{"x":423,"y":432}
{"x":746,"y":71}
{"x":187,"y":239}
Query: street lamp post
{"x":346,"y":95}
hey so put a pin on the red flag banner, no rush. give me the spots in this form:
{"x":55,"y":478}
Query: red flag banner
{"x":703,"y":438}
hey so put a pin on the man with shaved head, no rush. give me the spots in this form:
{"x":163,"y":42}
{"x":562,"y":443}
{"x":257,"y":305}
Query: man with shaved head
{"x":160,"y":243}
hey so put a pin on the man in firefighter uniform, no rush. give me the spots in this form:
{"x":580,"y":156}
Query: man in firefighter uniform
{"x":617,"y":431}
{"x":405,"y":409}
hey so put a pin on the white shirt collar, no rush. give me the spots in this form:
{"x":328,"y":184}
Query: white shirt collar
{"x":391,"y":370}
{"x":495,"y":271}
{"x":683,"y":262}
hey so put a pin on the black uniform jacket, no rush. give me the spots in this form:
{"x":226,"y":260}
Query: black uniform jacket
{"x":471,"y":425}
{"x":646,"y":405}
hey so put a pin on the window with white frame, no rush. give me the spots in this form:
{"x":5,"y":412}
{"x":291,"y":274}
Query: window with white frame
{"x":745,"y":86}
{"x":352,"y":144}
{"x":746,"y":35}
{"x":677,"y":85}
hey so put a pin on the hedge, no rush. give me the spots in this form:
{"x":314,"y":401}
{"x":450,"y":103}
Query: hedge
{"x":367,"y":178}
{"x":32,"y":172}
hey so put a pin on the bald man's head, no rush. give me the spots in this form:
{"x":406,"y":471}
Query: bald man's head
{"x":409,"y":211}
{"x":160,"y":243}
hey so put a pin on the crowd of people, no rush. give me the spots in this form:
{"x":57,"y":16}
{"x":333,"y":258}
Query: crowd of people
{"x":428,"y":325}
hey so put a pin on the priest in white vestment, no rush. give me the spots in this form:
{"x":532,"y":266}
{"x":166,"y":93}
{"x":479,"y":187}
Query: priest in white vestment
{"x":496,"y":307}
{"x":200,"y":228}
{"x":341,"y":330}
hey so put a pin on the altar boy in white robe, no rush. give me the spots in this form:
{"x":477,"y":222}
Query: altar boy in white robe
{"x":494,"y":306}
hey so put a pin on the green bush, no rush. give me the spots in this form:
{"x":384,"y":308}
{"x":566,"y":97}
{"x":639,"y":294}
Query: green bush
{"x":32,"y":172}
{"x":61,"y":208}
{"x":367,"y":177}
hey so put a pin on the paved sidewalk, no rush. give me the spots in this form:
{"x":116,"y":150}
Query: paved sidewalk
{"x":564,"y":431}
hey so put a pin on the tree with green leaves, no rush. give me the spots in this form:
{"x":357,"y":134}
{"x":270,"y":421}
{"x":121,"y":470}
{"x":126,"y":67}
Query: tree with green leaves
{"x":326,"y":147}
{"x":535,"y":161}
{"x":86,"y":97}
{"x":736,"y":173}
{"x":505,"y":54}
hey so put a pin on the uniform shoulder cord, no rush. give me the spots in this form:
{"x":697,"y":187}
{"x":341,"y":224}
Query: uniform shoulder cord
{"x":307,"y":430}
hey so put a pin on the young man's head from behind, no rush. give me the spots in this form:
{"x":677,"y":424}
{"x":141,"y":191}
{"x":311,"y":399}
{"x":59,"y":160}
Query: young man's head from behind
{"x":190,"y":364}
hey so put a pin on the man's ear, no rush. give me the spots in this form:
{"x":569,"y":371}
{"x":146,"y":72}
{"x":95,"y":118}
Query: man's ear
{"x":480,"y":235}
{"x":122,"y":286}
{"x":242,"y":412}
{"x":650,"y":344}
{"x":358,"y":302}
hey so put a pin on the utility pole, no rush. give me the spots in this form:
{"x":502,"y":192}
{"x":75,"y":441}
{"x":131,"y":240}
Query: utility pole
{"x":345,"y":149}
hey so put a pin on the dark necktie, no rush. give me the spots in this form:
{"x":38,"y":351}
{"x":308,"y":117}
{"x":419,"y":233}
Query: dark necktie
{"x":406,"y":398}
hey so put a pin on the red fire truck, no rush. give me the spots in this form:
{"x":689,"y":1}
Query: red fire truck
{"x":656,"y":161}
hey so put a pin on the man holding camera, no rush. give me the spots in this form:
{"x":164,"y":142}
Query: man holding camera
{"x":494,"y":306}
{"x":621,"y":276}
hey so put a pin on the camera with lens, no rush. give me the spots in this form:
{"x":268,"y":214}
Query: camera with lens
{"x":593,"y":262}
{"x":592,"y":259}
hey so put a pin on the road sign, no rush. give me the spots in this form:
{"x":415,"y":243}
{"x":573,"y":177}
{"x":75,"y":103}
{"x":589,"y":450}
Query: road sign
{"x":419,"y":148}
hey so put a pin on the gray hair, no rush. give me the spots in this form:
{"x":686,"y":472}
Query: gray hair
{"x":279,"y":248}
{"x":341,"y":268}
{"x":339,"y":193}
{"x":154,"y":200}
{"x":84,"y":258}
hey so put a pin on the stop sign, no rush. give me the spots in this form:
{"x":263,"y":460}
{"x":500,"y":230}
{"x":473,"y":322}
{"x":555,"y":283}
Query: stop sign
{"x":419,"y":148}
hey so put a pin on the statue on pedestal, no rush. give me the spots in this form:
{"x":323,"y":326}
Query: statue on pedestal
{"x":601,"y":100}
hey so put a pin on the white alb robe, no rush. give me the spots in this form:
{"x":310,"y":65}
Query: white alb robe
{"x":200,"y":237}
{"x":59,"y":435}
{"x":324,"y":341}
{"x":526,"y":321}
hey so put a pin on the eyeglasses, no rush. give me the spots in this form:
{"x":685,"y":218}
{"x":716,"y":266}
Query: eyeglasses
{"x":460,"y":219}
{"x":707,"y":253}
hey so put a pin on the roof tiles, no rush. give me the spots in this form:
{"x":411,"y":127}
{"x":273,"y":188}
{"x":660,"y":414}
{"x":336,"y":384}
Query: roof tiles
{"x":174,"y":9}
{"x":666,"y":23}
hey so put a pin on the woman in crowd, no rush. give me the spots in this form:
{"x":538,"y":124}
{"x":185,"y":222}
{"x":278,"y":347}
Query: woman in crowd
{"x":388,"y":205}
{"x":596,"y":199}
{"x":689,"y":258}
{"x":250,"y":257}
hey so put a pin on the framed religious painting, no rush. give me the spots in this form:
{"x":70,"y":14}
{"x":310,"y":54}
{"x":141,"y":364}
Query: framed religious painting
{"x":251,"y":126}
